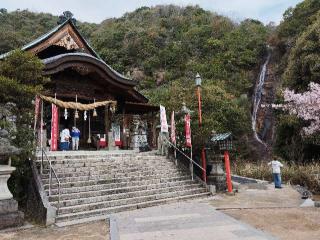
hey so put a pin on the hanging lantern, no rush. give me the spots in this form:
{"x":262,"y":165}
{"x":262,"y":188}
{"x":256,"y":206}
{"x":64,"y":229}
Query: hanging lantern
{"x":112,"y":108}
{"x":65,"y":114}
{"x":94,"y":110}
{"x":94,"y":113}
{"x":85,"y":115}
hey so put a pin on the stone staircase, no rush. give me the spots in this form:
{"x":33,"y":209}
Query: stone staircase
{"x":98,"y":183}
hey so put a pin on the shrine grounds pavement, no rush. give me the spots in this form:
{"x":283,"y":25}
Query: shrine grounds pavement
{"x":192,"y":220}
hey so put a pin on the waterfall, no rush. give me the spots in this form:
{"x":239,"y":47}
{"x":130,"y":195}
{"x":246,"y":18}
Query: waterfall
{"x":257,"y":99}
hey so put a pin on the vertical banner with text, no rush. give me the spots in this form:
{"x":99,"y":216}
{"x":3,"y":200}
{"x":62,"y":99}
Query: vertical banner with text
{"x":187,"y":128}
{"x":173,"y":129}
{"x":163,"y":119}
{"x":54,"y":128}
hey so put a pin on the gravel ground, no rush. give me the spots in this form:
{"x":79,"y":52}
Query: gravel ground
{"x":284,"y":223}
{"x":275,"y":211}
{"x":259,"y":196}
{"x":93,"y":231}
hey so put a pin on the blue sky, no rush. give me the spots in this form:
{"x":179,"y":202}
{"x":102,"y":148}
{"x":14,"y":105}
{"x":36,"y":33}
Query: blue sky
{"x":98,"y":10}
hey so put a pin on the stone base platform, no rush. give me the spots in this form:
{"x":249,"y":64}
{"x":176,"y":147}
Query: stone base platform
{"x":9,"y":214}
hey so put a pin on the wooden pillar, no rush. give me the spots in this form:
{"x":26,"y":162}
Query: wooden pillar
{"x":124,"y":127}
{"x":106,"y":119}
{"x":154,"y":130}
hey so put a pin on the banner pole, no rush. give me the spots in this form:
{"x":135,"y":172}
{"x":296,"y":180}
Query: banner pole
{"x":41,"y":127}
{"x":191,"y":163}
{"x":36,"y":113}
{"x":175,"y":153}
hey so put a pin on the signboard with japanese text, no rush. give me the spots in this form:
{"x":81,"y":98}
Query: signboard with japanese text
{"x":163,"y":119}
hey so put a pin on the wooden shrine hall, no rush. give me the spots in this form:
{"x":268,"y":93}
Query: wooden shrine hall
{"x":102,"y":103}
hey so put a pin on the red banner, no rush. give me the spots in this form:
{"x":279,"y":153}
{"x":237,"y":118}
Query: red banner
{"x":54,"y":128}
{"x":187,"y":129}
{"x":173,"y":129}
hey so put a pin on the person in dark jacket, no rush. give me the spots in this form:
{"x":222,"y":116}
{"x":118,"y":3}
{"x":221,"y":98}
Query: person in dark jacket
{"x":75,"y":135}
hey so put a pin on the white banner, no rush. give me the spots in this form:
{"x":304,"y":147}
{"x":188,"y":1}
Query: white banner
{"x":163,"y":119}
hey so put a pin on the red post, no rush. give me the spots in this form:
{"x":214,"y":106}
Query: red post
{"x":228,"y":172}
{"x":204,"y":165}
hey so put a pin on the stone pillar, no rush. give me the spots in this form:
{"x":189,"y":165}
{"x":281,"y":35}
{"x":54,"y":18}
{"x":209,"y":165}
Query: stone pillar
{"x":216,"y":177}
{"x":111,"y":142}
{"x":9,"y":214}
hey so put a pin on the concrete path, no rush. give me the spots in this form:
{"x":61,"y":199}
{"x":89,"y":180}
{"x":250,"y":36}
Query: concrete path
{"x":191,"y":220}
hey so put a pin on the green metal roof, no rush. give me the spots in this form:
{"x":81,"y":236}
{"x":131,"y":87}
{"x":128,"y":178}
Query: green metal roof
{"x":221,"y":137}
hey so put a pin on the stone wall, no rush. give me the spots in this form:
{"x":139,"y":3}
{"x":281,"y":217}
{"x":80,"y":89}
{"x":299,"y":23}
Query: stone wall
{"x":38,"y":206}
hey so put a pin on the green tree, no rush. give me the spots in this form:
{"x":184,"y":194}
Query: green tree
{"x":303,"y":63}
{"x":20,"y":80}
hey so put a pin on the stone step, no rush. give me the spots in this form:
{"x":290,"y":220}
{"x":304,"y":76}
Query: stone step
{"x":104,"y":163}
{"x":90,"y":197}
{"x":99,"y":158}
{"x":123,"y":168}
{"x":97,"y":153}
{"x":128,"y":176}
{"x":93,"y":185}
{"x":105,"y":211}
{"x":88,"y":153}
{"x":126,"y":189}
{"x":82,"y":172}
{"x":97,"y":183}
{"x":126,"y":201}
{"x":113,"y":172}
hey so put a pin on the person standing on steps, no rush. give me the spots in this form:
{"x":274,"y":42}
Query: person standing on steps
{"x":64,"y":139}
{"x":276,"y":171}
{"x":75,"y":134}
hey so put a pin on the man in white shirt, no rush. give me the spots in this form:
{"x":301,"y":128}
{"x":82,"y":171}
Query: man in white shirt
{"x":64,"y":139}
{"x":276,"y":172}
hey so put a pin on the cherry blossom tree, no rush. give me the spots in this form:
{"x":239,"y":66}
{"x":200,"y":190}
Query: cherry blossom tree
{"x":304,"y":105}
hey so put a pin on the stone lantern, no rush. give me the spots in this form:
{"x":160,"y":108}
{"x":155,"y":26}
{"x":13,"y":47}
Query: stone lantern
{"x":9,"y":214}
{"x":216,"y":145}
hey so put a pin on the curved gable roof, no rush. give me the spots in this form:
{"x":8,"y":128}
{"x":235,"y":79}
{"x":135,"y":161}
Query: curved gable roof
{"x":63,"y":61}
{"x":49,"y":34}
{"x":58,"y":60}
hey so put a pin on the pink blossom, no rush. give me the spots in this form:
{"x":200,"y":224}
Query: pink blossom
{"x":304,"y":105}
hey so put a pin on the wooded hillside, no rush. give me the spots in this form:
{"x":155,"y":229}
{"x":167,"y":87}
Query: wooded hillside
{"x":164,"y":47}
{"x":297,"y":41}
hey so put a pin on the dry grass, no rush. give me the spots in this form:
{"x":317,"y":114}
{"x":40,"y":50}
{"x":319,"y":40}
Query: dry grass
{"x":304,"y":175}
